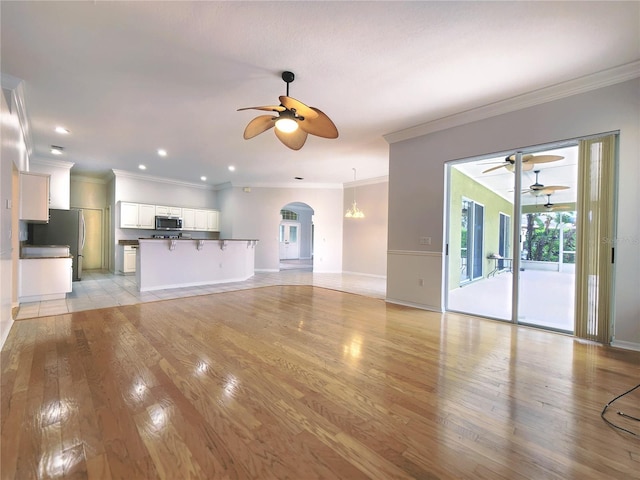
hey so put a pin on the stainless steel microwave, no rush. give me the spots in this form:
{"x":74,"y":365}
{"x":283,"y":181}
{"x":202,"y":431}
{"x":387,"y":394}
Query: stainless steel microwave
{"x":168,"y":223}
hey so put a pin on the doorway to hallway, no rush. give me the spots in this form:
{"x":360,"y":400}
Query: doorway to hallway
{"x":295,"y":237}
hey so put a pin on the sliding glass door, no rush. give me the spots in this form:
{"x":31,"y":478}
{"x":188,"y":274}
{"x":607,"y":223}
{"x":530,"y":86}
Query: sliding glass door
{"x":498,"y":220}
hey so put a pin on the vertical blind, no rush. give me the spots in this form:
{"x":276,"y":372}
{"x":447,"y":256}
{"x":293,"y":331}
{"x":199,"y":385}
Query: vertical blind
{"x":595,"y":233}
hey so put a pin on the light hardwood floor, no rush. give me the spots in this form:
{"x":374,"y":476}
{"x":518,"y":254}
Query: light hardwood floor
{"x":303,"y":382}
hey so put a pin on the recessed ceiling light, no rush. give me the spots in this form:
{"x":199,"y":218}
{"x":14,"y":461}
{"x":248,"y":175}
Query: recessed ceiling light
{"x":142,"y":167}
{"x":162,"y":152}
{"x":63,"y":131}
{"x":56,"y":150}
{"x":203,"y":178}
{"x":232,"y":168}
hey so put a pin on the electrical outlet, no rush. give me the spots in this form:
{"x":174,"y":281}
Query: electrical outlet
{"x":425,"y":240}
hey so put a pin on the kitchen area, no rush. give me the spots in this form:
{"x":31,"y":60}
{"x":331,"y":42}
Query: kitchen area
{"x":135,"y":245}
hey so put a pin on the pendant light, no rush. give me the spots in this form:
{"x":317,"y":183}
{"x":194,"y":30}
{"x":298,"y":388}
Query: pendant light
{"x":354,"y":211}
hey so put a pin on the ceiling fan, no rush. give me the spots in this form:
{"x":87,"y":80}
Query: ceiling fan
{"x":528,"y":162}
{"x":551,"y":207}
{"x":294,"y":121}
{"x":537,"y":189}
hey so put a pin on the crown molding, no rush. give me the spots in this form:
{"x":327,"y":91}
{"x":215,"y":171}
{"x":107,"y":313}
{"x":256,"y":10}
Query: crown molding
{"x":150,"y":178}
{"x":312,"y":186}
{"x":18,"y":100}
{"x":52,"y":163}
{"x":583,"y":84}
{"x":367,"y":181}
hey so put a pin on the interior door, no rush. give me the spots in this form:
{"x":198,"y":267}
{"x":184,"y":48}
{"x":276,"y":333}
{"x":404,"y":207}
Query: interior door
{"x":92,"y":253}
{"x":289,"y":240}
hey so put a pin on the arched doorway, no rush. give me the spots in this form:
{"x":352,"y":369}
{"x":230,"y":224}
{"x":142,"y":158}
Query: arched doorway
{"x":295,"y":234}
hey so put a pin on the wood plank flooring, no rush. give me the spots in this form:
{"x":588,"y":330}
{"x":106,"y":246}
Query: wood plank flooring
{"x":301,"y":382}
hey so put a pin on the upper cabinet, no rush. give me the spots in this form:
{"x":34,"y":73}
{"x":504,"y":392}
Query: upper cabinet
{"x":188,"y":219}
{"x":34,"y":197}
{"x":168,"y":211}
{"x":212,"y":220}
{"x":59,"y":181}
{"x":137,"y":215}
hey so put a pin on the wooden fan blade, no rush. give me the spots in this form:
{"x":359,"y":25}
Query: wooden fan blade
{"x":297,"y":107}
{"x":294,"y":140}
{"x":553,"y":188}
{"x":544,"y":158}
{"x":258,"y":125}
{"x":495,"y":168}
{"x":321,"y":126}
{"x":267,"y":108}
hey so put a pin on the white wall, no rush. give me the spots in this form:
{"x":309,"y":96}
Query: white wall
{"x":13,"y":154}
{"x":157,"y":191}
{"x":256,"y":215}
{"x":129,"y":187}
{"x":416,"y":186}
{"x":365,"y":239}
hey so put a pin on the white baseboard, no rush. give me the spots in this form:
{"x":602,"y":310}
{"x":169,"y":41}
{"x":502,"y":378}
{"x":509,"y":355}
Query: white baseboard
{"x":430,"y":308}
{"x":626,"y":345}
{"x":371,"y":275}
{"x":266,"y":270}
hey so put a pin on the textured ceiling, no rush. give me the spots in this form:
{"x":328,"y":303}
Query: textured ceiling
{"x":128,"y":78}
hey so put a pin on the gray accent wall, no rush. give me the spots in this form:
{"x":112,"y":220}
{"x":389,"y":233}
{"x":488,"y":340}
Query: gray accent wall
{"x":417,"y":190}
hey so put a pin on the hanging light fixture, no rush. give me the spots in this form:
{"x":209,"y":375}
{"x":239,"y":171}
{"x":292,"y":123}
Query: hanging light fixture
{"x":354,"y":211}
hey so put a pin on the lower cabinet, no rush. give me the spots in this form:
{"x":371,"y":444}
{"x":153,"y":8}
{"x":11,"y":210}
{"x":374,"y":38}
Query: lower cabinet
{"x":129,"y":254}
{"x":44,"y":279}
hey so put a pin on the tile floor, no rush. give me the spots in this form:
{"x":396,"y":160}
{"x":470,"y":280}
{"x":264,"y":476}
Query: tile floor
{"x":100,"y":289}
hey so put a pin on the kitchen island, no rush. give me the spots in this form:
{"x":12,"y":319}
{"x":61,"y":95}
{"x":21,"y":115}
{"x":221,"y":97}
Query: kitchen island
{"x":175,"y":263}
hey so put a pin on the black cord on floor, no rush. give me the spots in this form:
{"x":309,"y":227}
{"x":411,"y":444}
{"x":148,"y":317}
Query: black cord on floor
{"x":620,"y":413}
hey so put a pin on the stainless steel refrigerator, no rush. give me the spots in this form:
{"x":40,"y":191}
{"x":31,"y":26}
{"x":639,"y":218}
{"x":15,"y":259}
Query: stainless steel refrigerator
{"x":65,"y":227}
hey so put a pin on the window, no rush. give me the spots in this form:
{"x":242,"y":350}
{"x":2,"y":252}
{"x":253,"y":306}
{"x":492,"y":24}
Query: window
{"x":503,"y":241}
{"x":471,"y":241}
{"x":288,"y":215}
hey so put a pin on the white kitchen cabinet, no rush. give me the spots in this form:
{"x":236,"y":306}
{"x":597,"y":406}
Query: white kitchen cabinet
{"x":188,"y":219}
{"x":34,"y":197}
{"x":59,"y":180}
{"x":201,"y":221}
{"x":129,"y":254}
{"x":137,"y":215}
{"x":168,"y":211}
{"x":213,"y":220}
{"x":44,"y":279}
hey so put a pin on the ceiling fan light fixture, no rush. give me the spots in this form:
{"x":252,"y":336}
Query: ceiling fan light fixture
{"x":294,"y":122}
{"x":286,"y":124}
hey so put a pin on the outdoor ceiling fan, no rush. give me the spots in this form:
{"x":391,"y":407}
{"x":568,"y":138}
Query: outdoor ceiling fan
{"x":294,"y":121}
{"x":538,"y":189}
{"x":528,"y":162}
{"x":551,"y":207}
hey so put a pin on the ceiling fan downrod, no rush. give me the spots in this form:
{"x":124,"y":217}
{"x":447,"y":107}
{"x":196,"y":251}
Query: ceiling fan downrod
{"x":288,"y":77}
